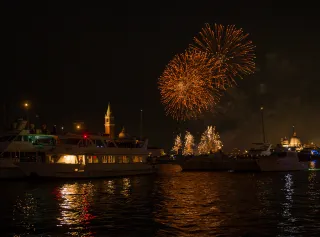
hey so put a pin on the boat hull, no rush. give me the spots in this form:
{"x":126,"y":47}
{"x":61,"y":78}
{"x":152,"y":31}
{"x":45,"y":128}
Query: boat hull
{"x":88,"y":171}
{"x":8,"y":170}
{"x":209,"y":163}
{"x":206,"y":165}
{"x":287,"y":162}
{"x":246,"y":165}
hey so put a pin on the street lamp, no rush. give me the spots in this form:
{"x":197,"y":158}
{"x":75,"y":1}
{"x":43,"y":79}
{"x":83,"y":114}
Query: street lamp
{"x":26,"y":106}
{"x":141,"y":111}
{"x":262,"y":120}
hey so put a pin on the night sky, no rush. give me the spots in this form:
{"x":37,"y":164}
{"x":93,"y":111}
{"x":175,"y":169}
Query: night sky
{"x":69,"y":61}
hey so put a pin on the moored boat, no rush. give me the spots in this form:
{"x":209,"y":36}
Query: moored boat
{"x":73,"y":156}
{"x":284,"y":161}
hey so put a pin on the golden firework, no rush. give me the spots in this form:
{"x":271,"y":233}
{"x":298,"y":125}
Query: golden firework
{"x":230,"y":48}
{"x":186,"y":85}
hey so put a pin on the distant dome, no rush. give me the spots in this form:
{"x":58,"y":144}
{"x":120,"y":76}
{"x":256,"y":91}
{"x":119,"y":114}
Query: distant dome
{"x":123,"y":134}
{"x":295,"y":141}
{"x":284,"y":141}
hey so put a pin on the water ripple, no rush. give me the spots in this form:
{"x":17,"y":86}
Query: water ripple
{"x":172,"y":203}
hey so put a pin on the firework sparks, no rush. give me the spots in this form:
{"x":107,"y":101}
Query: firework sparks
{"x":230,"y":49}
{"x":186,"y":86}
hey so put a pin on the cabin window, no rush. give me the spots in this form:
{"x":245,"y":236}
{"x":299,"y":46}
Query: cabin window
{"x":95,"y":159}
{"x":81,"y":159}
{"x":137,"y":159}
{"x":45,"y":140}
{"x":68,"y":159}
{"x":123,"y":159}
{"x":89,"y":159}
{"x":92,"y":159}
{"x":111,"y":159}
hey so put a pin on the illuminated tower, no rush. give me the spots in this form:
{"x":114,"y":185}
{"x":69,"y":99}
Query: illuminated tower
{"x":109,"y":123}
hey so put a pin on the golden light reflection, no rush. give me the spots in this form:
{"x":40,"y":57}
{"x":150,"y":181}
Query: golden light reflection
{"x":74,"y":202}
{"x":191,"y":203}
{"x":110,"y":187}
{"x":126,"y":187}
{"x":313,"y":193}
{"x":312,"y":165}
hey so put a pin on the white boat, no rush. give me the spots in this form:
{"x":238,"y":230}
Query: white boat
{"x":279,"y":159}
{"x":260,"y":149}
{"x":20,"y":143}
{"x":260,"y":158}
{"x":89,"y":156}
{"x":73,"y":156}
{"x":282,"y":161}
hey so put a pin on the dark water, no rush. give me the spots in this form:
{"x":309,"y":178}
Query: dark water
{"x":172,"y":203}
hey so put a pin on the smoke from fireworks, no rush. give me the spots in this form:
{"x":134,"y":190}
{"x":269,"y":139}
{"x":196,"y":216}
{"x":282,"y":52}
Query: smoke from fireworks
{"x":230,"y":48}
{"x":186,"y":86}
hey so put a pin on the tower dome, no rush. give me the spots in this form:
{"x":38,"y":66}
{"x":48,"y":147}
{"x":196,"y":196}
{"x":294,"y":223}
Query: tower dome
{"x":295,"y":141}
{"x":123,"y":134}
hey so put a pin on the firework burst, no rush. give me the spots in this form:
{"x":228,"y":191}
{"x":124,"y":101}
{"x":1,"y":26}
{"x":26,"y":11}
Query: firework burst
{"x":230,"y":48}
{"x":186,"y":85}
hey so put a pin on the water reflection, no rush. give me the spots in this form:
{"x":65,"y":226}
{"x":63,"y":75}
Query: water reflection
{"x":109,"y":187}
{"x":126,"y":187}
{"x":313,"y":193}
{"x":189,"y":208}
{"x":264,"y":192}
{"x":24,"y":213}
{"x":312,"y":165}
{"x":172,"y":203}
{"x":287,"y":224}
{"x":75,"y":201}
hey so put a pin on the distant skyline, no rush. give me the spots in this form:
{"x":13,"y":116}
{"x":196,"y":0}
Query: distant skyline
{"x":70,"y":61}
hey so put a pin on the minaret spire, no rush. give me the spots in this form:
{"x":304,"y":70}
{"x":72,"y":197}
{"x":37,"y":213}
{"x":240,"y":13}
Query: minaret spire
{"x":109,"y":122}
{"x":109,"y":110}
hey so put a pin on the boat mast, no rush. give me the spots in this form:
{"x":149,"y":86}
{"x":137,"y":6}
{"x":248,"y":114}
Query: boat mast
{"x":293,"y":130}
{"x":141,"y":124}
{"x":4,"y":116}
{"x":262,"y":124}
